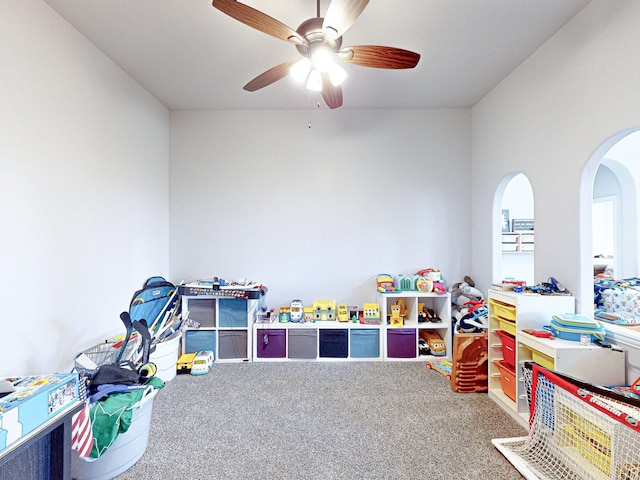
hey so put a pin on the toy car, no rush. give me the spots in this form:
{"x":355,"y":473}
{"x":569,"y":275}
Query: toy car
{"x":423,"y":348}
{"x":185,"y":362}
{"x":202,"y":363}
{"x":434,"y":342}
{"x":343,"y":313}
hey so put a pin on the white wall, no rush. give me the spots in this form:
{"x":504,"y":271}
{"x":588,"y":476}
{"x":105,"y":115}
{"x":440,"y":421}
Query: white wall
{"x":546,"y":119}
{"x":318,"y":213}
{"x":83,"y":190}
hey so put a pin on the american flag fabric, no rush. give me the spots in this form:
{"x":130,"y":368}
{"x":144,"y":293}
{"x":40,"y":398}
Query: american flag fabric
{"x":81,"y":434}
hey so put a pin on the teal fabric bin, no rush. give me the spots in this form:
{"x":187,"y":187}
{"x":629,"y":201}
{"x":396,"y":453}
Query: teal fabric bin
{"x":197,"y":340}
{"x":232,"y":312}
{"x":364,"y":343}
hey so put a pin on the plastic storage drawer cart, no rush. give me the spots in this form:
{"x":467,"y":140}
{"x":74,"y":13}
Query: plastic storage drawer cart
{"x":197,"y":340}
{"x":303,"y":344}
{"x":365,"y":343}
{"x":334,"y":343}
{"x":401,"y":343}
{"x":271,"y":343}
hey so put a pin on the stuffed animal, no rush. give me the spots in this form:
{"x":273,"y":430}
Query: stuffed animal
{"x":472,"y":318}
{"x":465,"y":291}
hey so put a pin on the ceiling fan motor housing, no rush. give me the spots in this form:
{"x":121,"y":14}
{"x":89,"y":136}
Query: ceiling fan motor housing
{"x":311,"y":31}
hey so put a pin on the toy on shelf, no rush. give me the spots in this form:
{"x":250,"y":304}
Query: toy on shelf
{"x":424,"y":284}
{"x":396,"y":320}
{"x":385,"y":283}
{"x":435,"y":344}
{"x":284,"y":314}
{"x":432,"y":273}
{"x":426,"y":314}
{"x":356,"y":314}
{"x":296,"y":311}
{"x":343,"y":313}
{"x":264,"y":315}
{"x":308,"y":314}
{"x":438,"y":287}
{"x":324,"y":310}
{"x":404,"y":283}
{"x":371,"y":313}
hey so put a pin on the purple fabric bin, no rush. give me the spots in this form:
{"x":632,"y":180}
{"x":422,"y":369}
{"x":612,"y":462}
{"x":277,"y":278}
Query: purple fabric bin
{"x":401,"y":343}
{"x":271,"y":343}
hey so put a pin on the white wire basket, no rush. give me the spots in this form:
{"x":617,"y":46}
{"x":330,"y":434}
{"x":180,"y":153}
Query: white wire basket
{"x":88,"y":361}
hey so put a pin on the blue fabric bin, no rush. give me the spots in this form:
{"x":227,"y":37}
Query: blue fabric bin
{"x":365,"y":343}
{"x":232,"y":312}
{"x":334,"y":343}
{"x":196,"y":340}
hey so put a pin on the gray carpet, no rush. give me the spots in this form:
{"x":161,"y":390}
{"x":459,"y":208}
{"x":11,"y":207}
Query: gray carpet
{"x":323,"y":420}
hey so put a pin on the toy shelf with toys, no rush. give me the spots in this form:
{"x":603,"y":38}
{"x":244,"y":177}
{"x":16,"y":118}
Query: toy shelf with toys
{"x":416,"y":325}
{"x":316,"y":340}
{"x":324,"y":331}
{"x":219,"y":318}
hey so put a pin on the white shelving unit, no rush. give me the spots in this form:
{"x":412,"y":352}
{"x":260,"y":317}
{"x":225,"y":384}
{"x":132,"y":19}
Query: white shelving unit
{"x":530,"y":311}
{"x":225,"y":322}
{"x":401,"y":343}
{"x":317,"y":341}
{"x":591,"y":363}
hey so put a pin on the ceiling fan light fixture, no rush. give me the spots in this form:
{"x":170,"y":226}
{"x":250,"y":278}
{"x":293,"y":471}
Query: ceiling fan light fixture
{"x":337,"y":74}
{"x":300,"y":70}
{"x":321,"y":59}
{"x":314,"y":82}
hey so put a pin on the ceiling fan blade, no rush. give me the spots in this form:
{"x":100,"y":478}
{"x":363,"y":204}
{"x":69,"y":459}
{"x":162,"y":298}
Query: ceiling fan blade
{"x":379,"y":57}
{"x":270,"y":76}
{"x":331,"y":94}
{"x":258,"y":20}
{"x":341,"y":14}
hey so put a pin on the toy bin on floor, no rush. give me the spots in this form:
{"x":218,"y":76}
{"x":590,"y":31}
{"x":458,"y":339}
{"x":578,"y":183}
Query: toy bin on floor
{"x":303,"y":344}
{"x":334,"y":343}
{"x":125,"y":451}
{"x":166,"y":355}
{"x":401,"y":343}
{"x":232,"y":344}
{"x":365,"y":343}
{"x":271,"y":343}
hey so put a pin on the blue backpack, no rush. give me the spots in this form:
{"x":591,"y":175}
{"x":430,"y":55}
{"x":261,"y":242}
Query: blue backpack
{"x":155,"y":297}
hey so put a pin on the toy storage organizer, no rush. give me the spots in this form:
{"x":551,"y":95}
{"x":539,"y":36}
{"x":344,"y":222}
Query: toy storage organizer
{"x":509,"y":314}
{"x":225,"y":324}
{"x":401,"y":342}
{"x":324,"y":340}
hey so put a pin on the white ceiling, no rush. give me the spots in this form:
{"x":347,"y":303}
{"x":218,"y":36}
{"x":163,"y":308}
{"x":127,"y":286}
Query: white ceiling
{"x":191,"y":56}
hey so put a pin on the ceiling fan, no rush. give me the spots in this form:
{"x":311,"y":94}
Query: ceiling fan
{"x":319,"y":41}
